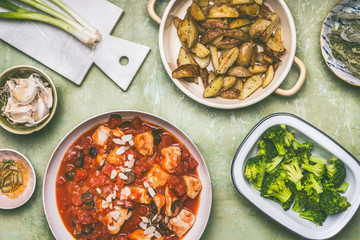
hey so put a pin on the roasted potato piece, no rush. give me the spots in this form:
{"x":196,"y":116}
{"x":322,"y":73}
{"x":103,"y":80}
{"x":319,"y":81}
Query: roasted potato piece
{"x":211,"y":34}
{"x":251,"y":85}
{"x":275,"y":45}
{"x":222,"y":11}
{"x":228,"y":61}
{"x":258,"y":28}
{"x":231,"y":94}
{"x":269,"y":76}
{"x":221,"y":1}
{"x":191,"y":79}
{"x":229,"y":82}
{"x":202,"y":3}
{"x":237,"y":34}
{"x":200,"y":50}
{"x":223,"y":54}
{"x":277,"y":35}
{"x":240,"y":2}
{"x":213,"y":89}
{"x":239,"y":72}
{"x":245,"y":54}
{"x":185,"y":71}
{"x":218,"y":39}
{"x":258,"y":69}
{"x":214,"y":23}
{"x":196,"y":12}
{"x":188,"y":32}
{"x":202,"y":62}
{"x":204,"y":75}
{"x":260,"y":2}
{"x":228,"y":43}
{"x":184,"y":57}
{"x":214,"y":57}
{"x":239,"y":23}
{"x":254,"y":56}
{"x":251,"y":10}
{"x":275,"y":19}
{"x":239,"y":84}
{"x":176,"y":21}
{"x":212,"y":76}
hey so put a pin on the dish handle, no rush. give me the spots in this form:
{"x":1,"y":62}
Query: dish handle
{"x":299,"y":82}
{"x":152,"y":12}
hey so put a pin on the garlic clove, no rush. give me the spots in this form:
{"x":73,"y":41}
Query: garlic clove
{"x":41,"y":111}
{"x":18,"y":113}
{"x":26,"y":94}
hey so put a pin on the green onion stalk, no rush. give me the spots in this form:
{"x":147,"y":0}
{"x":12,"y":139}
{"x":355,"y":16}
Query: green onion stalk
{"x":77,"y":26}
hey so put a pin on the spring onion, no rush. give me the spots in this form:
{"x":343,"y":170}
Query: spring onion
{"x":76,"y":25}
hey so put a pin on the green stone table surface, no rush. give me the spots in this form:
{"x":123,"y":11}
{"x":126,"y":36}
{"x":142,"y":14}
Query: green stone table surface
{"x":325,"y":101}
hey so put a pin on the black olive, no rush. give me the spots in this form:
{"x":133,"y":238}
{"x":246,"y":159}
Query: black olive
{"x":69,"y":175}
{"x":93,"y":152}
{"x":153,"y":206}
{"x":176,"y":207}
{"x":130,"y":177}
{"x":89,"y":207}
{"x":87,"y":229}
{"x":156,"y":134}
{"x":79,"y":162}
{"x":163,"y":226}
{"x":125,"y":124}
{"x":87,"y":198}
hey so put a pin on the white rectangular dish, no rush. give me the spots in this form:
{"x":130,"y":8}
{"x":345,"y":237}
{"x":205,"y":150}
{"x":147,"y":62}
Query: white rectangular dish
{"x":324,"y":146}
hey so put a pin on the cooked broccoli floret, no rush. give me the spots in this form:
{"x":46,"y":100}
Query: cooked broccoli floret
{"x":276,"y":135}
{"x":304,"y":152}
{"x":317,"y":217}
{"x":274,"y":186}
{"x":294,"y":173}
{"x":311,"y":185}
{"x":313,"y":202}
{"x":318,"y":169}
{"x":332,"y":202}
{"x":290,"y":157}
{"x":343,"y":187}
{"x":255,"y":171}
{"x":267,"y":149}
{"x":301,"y":198}
{"x":288,"y":137}
{"x":271,"y":165}
{"x":336,"y":173}
{"x":316,"y":159}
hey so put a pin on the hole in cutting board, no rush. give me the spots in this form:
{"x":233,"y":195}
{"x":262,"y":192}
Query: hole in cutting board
{"x":124,"y":60}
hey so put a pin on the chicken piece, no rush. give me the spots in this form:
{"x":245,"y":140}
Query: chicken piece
{"x":144,"y":143}
{"x":114,"y":220}
{"x":101,"y":135}
{"x":159,"y":201}
{"x":117,"y":132}
{"x":114,"y":158}
{"x":193,"y":186}
{"x":169,"y":199}
{"x":182,"y":222}
{"x":157,"y":176}
{"x":138,"y":194}
{"x":171,"y":158}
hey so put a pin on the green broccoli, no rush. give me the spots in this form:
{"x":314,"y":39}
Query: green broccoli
{"x":332,"y":202}
{"x":294,"y":173}
{"x":311,"y":185}
{"x":343,"y":187}
{"x":288,"y":137}
{"x":336,"y":173}
{"x":301,"y":198}
{"x":316,"y":159}
{"x":304,"y":152}
{"x":271,"y":165}
{"x":275,"y":186}
{"x":313,"y":202}
{"x":276,"y":135}
{"x":318,"y":169}
{"x":317,"y":217}
{"x":255,"y":171}
{"x":267,"y":149}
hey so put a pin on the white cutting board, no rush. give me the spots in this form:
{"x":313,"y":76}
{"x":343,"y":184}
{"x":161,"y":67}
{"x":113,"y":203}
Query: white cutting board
{"x":68,"y":56}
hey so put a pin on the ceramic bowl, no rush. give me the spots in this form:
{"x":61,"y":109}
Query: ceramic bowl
{"x":25,"y":71}
{"x":49,"y":198}
{"x":336,"y":66}
{"x":10,"y":203}
{"x":323,"y":146}
{"x":169,"y":45}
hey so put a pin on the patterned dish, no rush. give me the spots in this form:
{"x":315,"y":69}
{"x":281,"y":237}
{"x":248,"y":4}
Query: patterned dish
{"x":336,"y":66}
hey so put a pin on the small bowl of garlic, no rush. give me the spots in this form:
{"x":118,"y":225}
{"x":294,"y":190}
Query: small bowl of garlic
{"x":28,"y":99}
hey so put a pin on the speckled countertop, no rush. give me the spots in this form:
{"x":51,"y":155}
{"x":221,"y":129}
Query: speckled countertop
{"x":325,"y":101}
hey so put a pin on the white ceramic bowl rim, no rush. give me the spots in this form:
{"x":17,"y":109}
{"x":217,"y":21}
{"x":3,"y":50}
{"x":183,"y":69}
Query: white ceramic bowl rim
{"x":245,"y":103}
{"x":206,"y":188}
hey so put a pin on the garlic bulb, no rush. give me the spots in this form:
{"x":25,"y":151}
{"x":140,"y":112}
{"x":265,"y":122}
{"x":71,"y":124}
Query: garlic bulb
{"x":29,"y":100}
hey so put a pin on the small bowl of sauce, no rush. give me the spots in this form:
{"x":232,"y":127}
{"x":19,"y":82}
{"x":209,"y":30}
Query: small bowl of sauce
{"x":17,"y":179}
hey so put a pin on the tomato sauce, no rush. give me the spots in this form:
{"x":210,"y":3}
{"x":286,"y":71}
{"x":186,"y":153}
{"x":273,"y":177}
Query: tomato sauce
{"x":85,"y":181}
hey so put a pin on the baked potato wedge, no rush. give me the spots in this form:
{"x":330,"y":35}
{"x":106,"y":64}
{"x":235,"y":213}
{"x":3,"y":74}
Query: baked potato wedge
{"x":223,"y":54}
{"x":245,"y":54}
{"x":188,"y":32}
{"x":228,"y":43}
{"x":258,"y":28}
{"x":184,"y":57}
{"x":176,"y":21}
{"x":196,"y":12}
{"x":222,"y":11}
{"x":229,"y":82}
{"x":251,"y":10}
{"x":204,"y":75}
{"x":200,"y":50}
{"x":250,"y":85}
{"x":254,"y":56}
{"x":211,"y":34}
{"x":237,"y":34}
{"x":232,"y":93}
{"x":258,"y":69}
{"x":269,"y":76}
{"x":237,"y":23}
{"x":275,"y":45}
{"x":214,"y":57}
{"x":277,"y":35}
{"x":214,"y":23}
{"x":240,"y":2}
{"x":202,"y":3}
{"x":275,"y":20}
{"x":228,"y":61}
{"x":213,"y":89}
{"x":202,"y":62}
{"x":238,"y":71}
{"x":186,"y":71}
{"x":239,"y":84}
{"x":260,"y":2}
